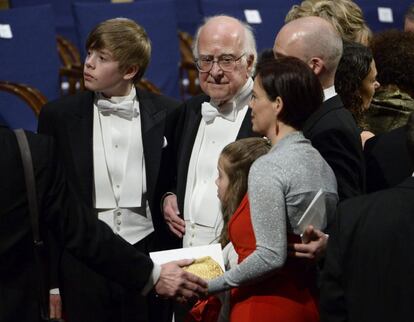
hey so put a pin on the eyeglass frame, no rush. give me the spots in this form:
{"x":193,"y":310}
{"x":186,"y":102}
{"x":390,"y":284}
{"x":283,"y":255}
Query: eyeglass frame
{"x":217,"y":61}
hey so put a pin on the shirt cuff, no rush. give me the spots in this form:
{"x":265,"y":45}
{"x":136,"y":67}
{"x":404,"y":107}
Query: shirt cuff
{"x":54,"y":291}
{"x":152,"y":280}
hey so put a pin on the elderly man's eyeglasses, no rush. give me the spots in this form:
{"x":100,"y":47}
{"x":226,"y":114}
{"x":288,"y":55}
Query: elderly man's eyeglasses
{"x":225,"y":62}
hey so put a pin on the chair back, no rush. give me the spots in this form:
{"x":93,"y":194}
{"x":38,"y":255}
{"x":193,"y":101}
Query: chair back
{"x":24,"y":104}
{"x":384,"y":14}
{"x":30,"y":95}
{"x":28,"y":56}
{"x":264,"y":16}
{"x":62,"y":15}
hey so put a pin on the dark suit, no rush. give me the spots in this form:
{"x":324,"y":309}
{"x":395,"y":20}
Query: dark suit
{"x":84,"y":236}
{"x":87,"y":296}
{"x":368,"y":271}
{"x":387,"y":160}
{"x":188,"y":127}
{"x":334,"y":133}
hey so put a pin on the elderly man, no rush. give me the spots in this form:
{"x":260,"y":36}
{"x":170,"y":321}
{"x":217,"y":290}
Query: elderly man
{"x":331,"y":129}
{"x":225,"y":52}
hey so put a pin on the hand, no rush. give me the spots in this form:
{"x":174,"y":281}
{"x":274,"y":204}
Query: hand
{"x":171,"y":216}
{"x":55,"y":306}
{"x":365,"y":136}
{"x":177,"y":283}
{"x":313,"y":246}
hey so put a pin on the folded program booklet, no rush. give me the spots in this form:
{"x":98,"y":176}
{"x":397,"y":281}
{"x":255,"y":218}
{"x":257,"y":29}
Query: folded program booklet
{"x":208,"y":259}
{"x":314,"y":215}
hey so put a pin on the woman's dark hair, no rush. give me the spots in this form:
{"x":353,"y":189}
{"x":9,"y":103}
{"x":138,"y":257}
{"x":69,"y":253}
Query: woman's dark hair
{"x":265,"y":55}
{"x":393,"y":52}
{"x":296,"y":84}
{"x":354,"y":66}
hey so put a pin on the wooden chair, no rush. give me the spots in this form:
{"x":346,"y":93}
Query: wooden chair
{"x":145,"y":84}
{"x":188,"y":70}
{"x":71,"y":70}
{"x":68,"y":53}
{"x":33,"y":97}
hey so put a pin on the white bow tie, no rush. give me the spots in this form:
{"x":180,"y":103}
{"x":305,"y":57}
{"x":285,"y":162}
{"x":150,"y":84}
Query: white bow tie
{"x":210,"y":112}
{"x":123,"y":109}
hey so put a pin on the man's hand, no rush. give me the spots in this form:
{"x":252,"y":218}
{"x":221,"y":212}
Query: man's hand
{"x":171,"y":215}
{"x":55,"y":306}
{"x":177,"y":283}
{"x":313,"y":246}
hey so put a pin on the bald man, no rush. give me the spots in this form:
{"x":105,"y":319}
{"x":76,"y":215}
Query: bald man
{"x":225,"y":53}
{"x":332,"y":129}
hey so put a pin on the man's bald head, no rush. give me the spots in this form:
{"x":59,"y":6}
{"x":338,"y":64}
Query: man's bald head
{"x":313,"y":40}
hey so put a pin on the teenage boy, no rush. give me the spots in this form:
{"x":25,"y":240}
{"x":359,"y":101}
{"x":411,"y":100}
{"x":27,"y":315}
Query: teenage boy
{"x":115,"y":141}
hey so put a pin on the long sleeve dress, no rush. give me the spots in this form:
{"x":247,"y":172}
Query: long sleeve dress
{"x":268,"y":286}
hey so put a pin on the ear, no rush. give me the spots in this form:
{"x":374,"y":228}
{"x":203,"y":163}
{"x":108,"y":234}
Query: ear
{"x":316,"y":64}
{"x":131,"y":72}
{"x":277,"y":105}
{"x":250,"y":63}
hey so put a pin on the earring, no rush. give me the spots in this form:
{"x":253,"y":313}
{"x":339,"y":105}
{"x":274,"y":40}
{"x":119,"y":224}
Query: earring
{"x":277,"y":127}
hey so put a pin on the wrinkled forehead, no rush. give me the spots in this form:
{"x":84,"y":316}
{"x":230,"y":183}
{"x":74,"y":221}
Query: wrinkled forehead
{"x":216,"y":40}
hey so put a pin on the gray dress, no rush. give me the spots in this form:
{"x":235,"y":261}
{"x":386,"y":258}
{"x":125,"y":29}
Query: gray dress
{"x":281,"y":184}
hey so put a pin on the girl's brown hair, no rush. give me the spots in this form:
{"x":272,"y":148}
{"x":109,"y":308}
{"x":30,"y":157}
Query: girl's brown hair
{"x":237,"y":158}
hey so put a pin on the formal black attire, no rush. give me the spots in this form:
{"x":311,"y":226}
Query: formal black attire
{"x":368,"y":271}
{"x":334,"y":133}
{"x":387,"y":159}
{"x":89,"y":296}
{"x":83,"y":235}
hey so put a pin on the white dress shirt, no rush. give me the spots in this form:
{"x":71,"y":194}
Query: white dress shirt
{"x":119,"y":168}
{"x":329,"y":93}
{"x":202,"y":210}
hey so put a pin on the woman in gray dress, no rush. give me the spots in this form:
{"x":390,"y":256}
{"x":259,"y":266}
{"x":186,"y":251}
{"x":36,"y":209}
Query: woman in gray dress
{"x":267,"y":285}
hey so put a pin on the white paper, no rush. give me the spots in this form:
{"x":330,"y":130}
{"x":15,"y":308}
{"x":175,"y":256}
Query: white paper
{"x":5,"y":32}
{"x":213,"y":250}
{"x":385,"y":15}
{"x":253,"y":16}
{"x":314,"y":215}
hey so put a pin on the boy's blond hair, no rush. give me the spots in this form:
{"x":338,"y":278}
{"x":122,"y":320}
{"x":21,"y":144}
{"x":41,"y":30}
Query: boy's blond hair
{"x":127,"y":41}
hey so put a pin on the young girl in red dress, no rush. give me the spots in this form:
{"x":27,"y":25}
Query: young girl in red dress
{"x":233,"y":169}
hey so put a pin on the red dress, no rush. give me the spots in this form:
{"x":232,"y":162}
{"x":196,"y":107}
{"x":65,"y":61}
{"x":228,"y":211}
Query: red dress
{"x":287,"y":296}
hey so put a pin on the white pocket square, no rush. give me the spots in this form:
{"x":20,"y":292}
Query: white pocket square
{"x":165,"y":143}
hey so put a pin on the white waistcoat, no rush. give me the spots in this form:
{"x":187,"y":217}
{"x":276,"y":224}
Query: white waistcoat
{"x":119,"y":172}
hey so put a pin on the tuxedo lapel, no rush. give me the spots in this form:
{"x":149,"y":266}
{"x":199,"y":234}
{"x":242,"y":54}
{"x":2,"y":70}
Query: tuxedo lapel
{"x":152,"y":127}
{"x":79,"y":136}
{"x":246,"y":126}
